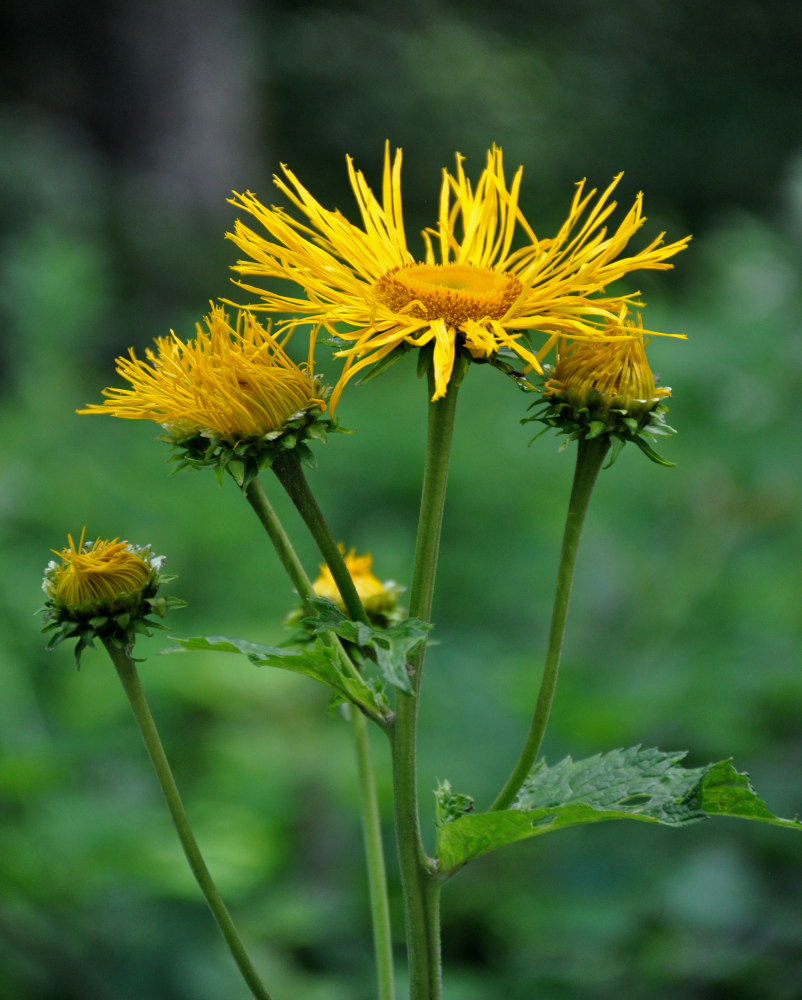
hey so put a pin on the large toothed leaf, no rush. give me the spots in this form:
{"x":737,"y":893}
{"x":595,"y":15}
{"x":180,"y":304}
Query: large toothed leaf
{"x":646,"y":785}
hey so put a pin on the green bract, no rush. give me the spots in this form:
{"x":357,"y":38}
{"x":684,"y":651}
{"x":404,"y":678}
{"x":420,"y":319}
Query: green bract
{"x":594,"y":414}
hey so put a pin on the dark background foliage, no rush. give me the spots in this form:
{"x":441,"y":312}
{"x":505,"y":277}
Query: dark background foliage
{"x":123,"y":128}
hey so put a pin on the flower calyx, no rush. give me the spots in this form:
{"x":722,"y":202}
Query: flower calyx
{"x":246,"y":457}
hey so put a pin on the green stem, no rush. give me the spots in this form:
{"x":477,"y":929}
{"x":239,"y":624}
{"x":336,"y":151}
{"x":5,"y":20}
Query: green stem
{"x":290,"y":474}
{"x":589,"y":458}
{"x":257,"y":498}
{"x":371,"y":823}
{"x":127,"y":672}
{"x":421,"y":888}
{"x":374,"y":856}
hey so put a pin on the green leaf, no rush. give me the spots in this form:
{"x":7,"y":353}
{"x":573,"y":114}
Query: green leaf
{"x":646,"y":785}
{"x":450,"y":805}
{"x":329,"y":618}
{"x":236,"y":468}
{"x":392,"y":647}
{"x":389,"y":647}
{"x":727,"y":792}
{"x":382,"y":365}
{"x":321,"y":663}
{"x":652,"y":454}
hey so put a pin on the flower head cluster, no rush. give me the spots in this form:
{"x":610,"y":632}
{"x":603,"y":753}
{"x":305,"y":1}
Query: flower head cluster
{"x":606,"y":387}
{"x":484,"y":282}
{"x":103,"y":589}
{"x":380,"y":600}
{"x":232,"y":397}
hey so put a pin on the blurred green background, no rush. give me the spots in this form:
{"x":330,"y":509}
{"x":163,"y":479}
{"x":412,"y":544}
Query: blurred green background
{"x":123,"y":128}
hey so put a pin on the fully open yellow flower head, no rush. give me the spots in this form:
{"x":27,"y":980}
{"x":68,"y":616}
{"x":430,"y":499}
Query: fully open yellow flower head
{"x":379,"y":599}
{"x":606,"y":386}
{"x":231,"y":395}
{"x":103,"y":589}
{"x":483,"y":281}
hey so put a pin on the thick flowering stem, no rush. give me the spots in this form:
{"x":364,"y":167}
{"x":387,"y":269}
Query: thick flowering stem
{"x":590,"y":456}
{"x":127,"y":672}
{"x":421,"y":887}
{"x":369,"y":807}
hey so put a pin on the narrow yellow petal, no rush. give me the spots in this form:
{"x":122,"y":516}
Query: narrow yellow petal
{"x":471,"y":285}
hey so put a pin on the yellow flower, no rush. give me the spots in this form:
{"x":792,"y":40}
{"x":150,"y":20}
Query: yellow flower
{"x":605,"y":388}
{"x":472,"y":288}
{"x":235,"y":382}
{"x":103,"y":590}
{"x":377,"y":597}
{"x":614,"y":366}
{"x":97,"y":572}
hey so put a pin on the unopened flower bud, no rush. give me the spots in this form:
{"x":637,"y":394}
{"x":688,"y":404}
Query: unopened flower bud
{"x":103,"y":589}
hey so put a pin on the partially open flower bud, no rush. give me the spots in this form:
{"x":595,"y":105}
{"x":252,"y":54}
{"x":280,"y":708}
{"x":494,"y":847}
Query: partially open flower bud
{"x":231,"y":398}
{"x":103,"y":589}
{"x":604,"y":386}
{"x":379,"y":599}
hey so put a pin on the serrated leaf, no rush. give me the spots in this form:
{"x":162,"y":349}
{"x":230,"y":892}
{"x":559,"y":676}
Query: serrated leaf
{"x":646,"y":785}
{"x":727,"y":792}
{"x":321,"y":663}
{"x":329,"y":618}
{"x":389,"y":647}
{"x":392,"y":647}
